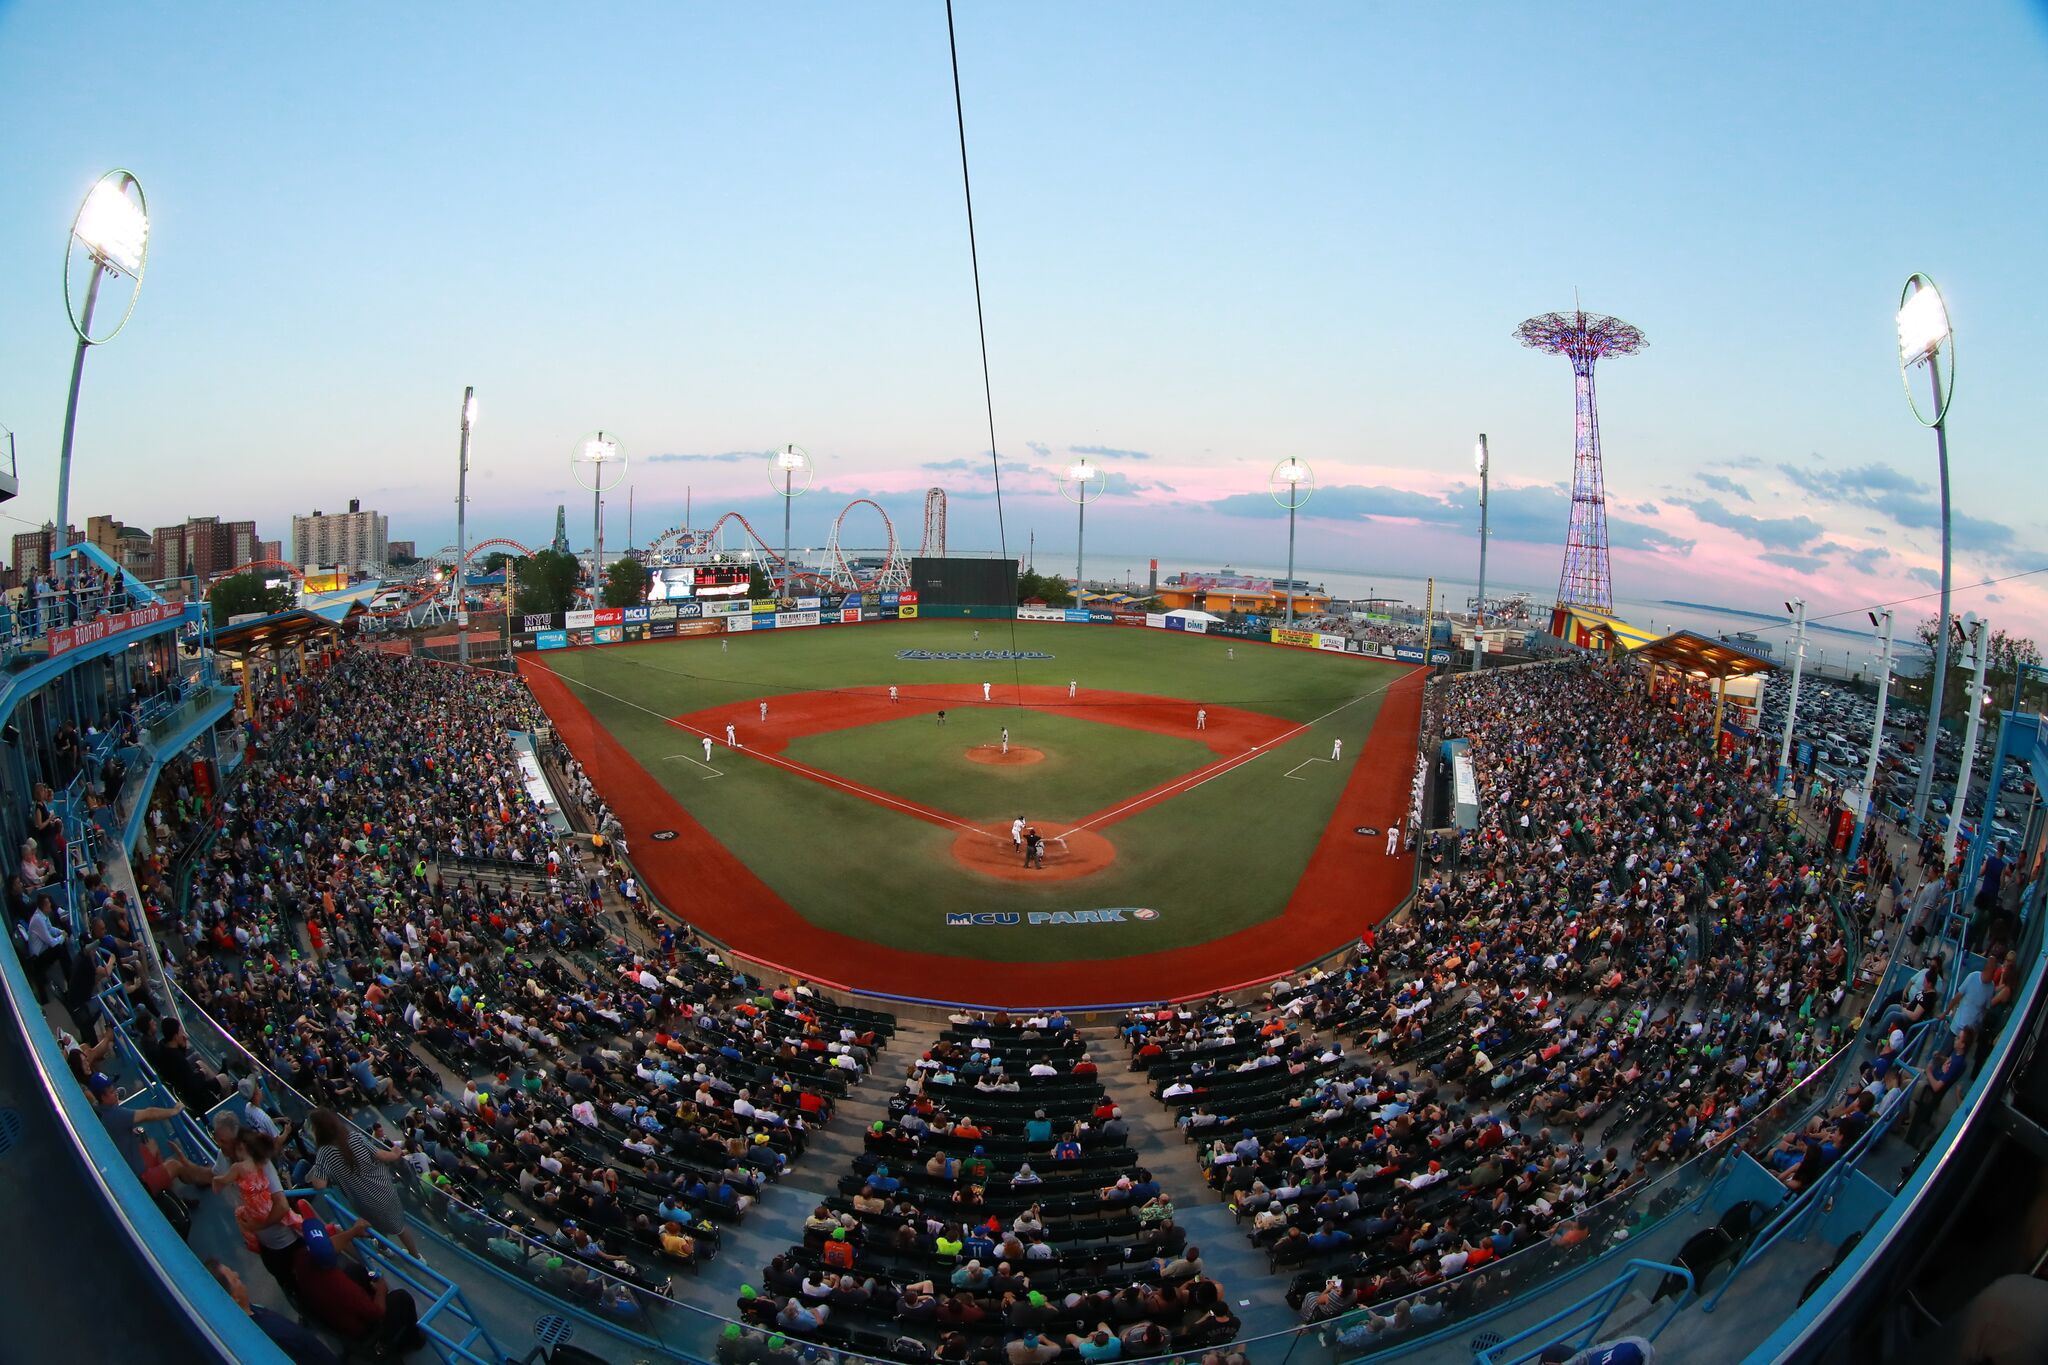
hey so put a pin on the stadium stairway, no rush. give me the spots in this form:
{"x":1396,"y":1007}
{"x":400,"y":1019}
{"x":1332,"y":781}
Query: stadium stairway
{"x":1257,"y":1295}
{"x":777,"y":1221}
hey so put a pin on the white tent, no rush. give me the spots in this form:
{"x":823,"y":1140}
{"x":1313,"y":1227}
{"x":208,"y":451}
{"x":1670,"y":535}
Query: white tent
{"x":1190,"y":614}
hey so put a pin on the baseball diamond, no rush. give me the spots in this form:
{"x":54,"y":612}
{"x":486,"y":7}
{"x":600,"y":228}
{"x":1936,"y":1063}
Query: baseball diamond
{"x":851,"y":827}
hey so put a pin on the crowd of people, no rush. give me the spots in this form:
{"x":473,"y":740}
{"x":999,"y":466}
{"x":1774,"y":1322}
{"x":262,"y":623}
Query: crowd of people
{"x":52,"y":599}
{"x":999,"y":1214}
{"x":1635,"y":953}
{"x":381,"y":916}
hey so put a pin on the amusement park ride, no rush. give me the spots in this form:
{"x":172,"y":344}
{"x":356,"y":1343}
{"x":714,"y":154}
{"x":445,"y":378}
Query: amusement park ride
{"x":423,"y":594}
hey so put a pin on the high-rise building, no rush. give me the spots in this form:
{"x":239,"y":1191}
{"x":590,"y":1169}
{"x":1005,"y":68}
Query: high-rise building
{"x":205,"y":547}
{"x":32,"y":550}
{"x":133,"y":548}
{"x":354,"y":539}
{"x":403,"y":549}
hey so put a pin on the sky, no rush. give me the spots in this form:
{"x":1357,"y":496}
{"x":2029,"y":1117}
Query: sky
{"x":1212,"y":237}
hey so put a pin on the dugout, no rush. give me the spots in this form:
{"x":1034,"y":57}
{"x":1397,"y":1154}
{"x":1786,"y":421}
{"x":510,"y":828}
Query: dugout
{"x":951,"y":581}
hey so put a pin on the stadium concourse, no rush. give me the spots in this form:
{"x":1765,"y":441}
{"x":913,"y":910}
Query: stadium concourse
{"x":472,"y":1024}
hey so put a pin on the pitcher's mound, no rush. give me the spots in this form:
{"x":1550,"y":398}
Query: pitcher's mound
{"x":993,"y":753}
{"x":1068,"y":853}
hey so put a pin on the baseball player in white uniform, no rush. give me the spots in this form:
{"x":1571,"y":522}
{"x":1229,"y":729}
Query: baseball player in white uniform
{"x":707,"y":748}
{"x":892,"y":694}
{"x":1071,"y":685}
{"x":1202,"y":718}
{"x":1006,"y":739}
{"x":984,"y":692}
{"x":732,"y":739}
{"x":1393,"y":840}
{"x":764,"y":710}
{"x":1017,"y":835}
{"x":1336,"y":750}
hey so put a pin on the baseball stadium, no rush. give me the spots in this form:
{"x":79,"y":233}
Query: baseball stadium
{"x":1196,"y":894}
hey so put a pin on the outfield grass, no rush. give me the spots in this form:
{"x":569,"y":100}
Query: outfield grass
{"x":1218,"y":858}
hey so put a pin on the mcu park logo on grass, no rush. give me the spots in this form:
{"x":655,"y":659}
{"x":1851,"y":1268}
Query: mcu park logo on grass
{"x":925,"y":656}
{"x":1114,"y":915}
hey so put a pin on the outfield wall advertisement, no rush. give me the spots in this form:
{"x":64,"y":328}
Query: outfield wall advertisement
{"x":669,"y":620}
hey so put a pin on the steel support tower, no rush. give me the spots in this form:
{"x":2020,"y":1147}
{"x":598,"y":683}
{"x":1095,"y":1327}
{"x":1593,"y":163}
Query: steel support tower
{"x":1584,"y":338}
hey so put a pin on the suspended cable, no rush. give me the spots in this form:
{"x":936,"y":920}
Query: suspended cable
{"x":981,"y":328}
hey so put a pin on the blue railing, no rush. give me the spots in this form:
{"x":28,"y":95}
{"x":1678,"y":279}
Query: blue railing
{"x":1591,"y":1314}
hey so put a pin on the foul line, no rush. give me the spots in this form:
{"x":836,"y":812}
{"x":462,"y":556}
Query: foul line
{"x":802,"y":770}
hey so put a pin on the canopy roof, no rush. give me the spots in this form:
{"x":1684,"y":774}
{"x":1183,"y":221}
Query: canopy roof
{"x":1702,"y":655}
{"x":286,"y":627}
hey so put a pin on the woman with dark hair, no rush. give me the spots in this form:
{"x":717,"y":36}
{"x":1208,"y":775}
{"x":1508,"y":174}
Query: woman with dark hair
{"x":343,"y":1155}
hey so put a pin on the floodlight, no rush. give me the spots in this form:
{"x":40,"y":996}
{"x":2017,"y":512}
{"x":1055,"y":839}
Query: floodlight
{"x":1081,"y":471}
{"x":1291,"y":471}
{"x":469,"y":411}
{"x":1479,"y":456}
{"x":114,"y":227}
{"x":1923,"y":322}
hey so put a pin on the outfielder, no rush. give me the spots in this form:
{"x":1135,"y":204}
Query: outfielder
{"x":1230,"y":651}
{"x":892,"y":694}
{"x":984,"y":691}
{"x":1071,"y":685}
{"x":722,"y":645}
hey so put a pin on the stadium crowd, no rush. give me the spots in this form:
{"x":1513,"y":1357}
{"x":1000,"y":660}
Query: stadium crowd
{"x":1633,"y":954}
{"x":384,"y":918}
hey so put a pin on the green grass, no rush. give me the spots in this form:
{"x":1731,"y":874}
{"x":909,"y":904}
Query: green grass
{"x":1088,"y":766}
{"x":1213,"y":860}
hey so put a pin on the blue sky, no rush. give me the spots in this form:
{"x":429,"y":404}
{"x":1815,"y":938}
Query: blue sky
{"x":1212,"y":236}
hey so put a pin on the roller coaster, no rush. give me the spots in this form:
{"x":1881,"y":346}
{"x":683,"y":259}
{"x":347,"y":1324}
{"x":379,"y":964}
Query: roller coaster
{"x":680,"y":545}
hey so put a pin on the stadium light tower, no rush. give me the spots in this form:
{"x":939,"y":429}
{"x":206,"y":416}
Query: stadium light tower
{"x":1882,"y":620}
{"x":1585,"y":338}
{"x":114,"y":230}
{"x":599,"y":462}
{"x":789,"y":464}
{"x":1083,"y":482}
{"x":1483,"y":462}
{"x":1925,"y":338}
{"x":462,"y":527}
{"x":1292,"y":484}
{"x":1976,"y":633}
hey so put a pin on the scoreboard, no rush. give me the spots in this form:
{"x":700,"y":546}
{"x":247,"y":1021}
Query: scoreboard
{"x":716,"y":575}
{"x":721,"y":579}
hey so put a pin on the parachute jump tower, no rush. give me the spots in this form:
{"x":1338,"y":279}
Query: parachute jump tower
{"x":1584,"y":338}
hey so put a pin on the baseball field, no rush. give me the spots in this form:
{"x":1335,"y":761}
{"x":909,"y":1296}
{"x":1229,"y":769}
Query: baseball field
{"x":1208,"y":811}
